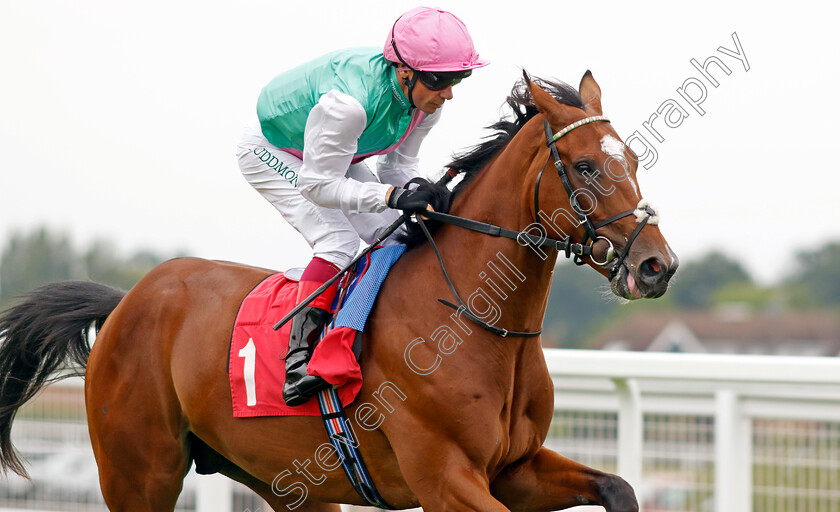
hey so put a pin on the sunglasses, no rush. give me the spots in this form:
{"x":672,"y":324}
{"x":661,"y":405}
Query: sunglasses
{"x":437,"y":81}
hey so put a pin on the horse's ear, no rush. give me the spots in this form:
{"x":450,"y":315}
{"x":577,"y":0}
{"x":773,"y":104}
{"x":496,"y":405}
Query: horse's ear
{"x":557,"y":113}
{"x":545,"y":102}
{"x":591,"y":94}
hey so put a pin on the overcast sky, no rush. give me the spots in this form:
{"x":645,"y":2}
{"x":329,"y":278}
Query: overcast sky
{"x":119,"y":119}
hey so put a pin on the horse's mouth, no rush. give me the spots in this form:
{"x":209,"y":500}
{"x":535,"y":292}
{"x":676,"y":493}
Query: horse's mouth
{"x":625,"y":285}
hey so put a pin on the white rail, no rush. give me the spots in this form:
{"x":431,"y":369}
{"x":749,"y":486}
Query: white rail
{"x":693,"y":367}
{"x":732,"y":389}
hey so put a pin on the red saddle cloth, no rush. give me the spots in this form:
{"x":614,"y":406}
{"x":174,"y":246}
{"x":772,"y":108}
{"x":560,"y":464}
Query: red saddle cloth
{"x":257,"y":369}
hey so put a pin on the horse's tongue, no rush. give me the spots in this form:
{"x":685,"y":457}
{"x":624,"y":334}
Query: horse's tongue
{"x":631,"y":285}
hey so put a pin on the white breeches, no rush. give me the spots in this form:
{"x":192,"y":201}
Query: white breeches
{"x":332,"y":234}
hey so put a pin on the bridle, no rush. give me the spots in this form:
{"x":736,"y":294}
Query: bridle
{"x":645,"y":214}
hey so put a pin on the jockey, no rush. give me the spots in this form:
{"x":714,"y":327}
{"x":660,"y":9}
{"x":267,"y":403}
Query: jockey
{"x":316,"y":125}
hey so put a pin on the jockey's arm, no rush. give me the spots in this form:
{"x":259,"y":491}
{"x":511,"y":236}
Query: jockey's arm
{"x":401,"y":165}
{"x":331,"y":136}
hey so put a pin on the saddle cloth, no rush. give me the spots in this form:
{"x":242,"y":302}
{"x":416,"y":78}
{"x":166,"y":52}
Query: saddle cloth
{"x":256,"y":366}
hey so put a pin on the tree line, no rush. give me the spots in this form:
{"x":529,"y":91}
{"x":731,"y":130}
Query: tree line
{"x":31,"y":259}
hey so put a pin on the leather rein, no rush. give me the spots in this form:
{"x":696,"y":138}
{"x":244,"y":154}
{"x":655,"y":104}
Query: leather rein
{"x":643,"y":212}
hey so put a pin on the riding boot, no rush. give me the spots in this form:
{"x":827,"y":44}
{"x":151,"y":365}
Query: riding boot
{"x":306,"y":328}
{"x":300,"y":386}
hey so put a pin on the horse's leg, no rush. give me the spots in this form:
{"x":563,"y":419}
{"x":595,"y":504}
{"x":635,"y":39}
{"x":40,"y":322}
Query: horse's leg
{"x":142,"y":461}
{"x":439,"y":473}
{"x":549,"y":481}
{"x":137,"y":428}
{"x":463,"y":488}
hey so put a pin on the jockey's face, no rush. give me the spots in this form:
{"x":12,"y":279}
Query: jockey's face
{"x":428,"y":100}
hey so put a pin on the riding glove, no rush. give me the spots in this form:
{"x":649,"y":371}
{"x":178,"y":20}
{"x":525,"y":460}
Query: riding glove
{"x":410,"y":200}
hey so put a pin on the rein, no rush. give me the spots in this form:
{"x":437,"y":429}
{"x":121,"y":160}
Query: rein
{"x":524,"y":239}
{"x":644,"y":214}
{"x":504,"y":333}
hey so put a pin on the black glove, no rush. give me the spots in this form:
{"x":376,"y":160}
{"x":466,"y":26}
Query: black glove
{"x":410,"y":200}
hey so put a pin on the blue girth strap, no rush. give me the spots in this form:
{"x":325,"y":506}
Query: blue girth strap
{"x":345,"y":443}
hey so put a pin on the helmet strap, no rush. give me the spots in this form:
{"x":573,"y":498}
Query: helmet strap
{"x":411,"y":83}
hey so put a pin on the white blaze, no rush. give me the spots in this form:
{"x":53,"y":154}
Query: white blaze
{"x":612,"y":146}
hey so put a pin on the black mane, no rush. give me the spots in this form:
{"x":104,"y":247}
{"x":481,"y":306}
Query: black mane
{"x":471,"y":161}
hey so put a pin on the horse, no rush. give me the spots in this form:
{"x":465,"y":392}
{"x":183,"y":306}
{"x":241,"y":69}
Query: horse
{"x":451,"y":417}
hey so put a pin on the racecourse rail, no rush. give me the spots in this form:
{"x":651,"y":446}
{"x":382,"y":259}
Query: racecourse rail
{"x":735,"y":398}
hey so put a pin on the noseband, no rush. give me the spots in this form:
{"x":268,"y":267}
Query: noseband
{"x":644,"y":212}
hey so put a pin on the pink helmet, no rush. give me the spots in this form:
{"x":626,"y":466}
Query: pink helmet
{"x":427,"y":39}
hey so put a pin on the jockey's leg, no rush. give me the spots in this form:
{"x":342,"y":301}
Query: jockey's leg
{"x":273,"y":173}
{"x":306,"y":326}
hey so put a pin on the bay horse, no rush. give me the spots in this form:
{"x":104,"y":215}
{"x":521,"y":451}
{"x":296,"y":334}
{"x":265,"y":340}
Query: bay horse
{"x":451,"y":417}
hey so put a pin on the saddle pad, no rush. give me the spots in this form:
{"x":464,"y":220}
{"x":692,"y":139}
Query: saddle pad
{"x":256,"y":368}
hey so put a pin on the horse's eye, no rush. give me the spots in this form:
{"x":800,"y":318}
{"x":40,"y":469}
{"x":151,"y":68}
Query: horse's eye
{"x":583,"y":167}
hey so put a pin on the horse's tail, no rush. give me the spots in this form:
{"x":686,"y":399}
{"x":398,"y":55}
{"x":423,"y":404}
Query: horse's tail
{"x":46,"y":332}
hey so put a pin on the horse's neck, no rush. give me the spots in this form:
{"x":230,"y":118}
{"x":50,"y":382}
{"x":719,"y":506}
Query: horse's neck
{"x":515,"y":278}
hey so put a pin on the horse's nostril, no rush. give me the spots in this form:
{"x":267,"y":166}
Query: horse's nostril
{"x":651,"y":270}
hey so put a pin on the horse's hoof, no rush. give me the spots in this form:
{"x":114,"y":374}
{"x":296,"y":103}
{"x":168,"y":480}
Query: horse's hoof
{"x":617,"y":495}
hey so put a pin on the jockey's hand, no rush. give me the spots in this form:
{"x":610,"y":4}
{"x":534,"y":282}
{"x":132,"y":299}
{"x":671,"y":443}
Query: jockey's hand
{"x":411,"y":201}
